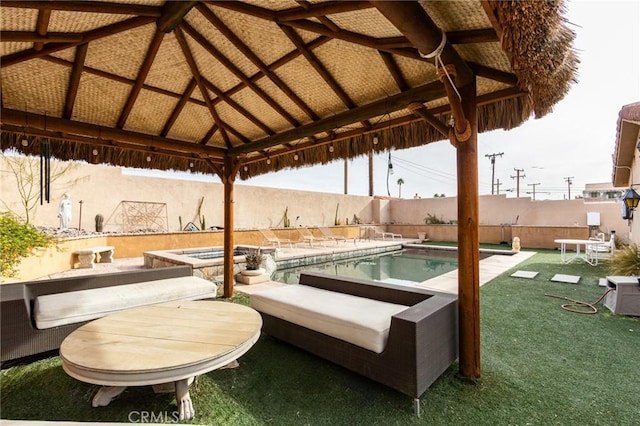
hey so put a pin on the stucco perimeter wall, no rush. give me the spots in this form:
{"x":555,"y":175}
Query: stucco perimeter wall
{"x":120,"y":198}
{"x":498,"y":210}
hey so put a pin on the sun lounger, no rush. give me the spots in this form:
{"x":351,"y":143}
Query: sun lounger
{"x":307,"y":237}
{"x":384,"y":235}
{"x":271,"y":238}
{"x":326,"y":233}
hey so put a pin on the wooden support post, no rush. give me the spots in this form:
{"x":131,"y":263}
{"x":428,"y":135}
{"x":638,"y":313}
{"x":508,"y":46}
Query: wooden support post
{"x":231,"y":166}
{"x":468,"y":239}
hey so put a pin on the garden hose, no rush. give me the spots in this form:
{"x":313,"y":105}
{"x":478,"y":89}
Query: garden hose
{"x":572,"y":307}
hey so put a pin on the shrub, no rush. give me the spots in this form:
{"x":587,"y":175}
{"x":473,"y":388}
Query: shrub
{"x":626,"y":261}
{"x":17,"y":240}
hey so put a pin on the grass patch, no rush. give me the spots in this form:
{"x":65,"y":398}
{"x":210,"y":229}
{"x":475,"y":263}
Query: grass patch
{"x":541,"y":365}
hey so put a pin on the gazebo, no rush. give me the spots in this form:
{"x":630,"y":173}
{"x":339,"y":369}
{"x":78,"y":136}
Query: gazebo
{"x":242,"y":88}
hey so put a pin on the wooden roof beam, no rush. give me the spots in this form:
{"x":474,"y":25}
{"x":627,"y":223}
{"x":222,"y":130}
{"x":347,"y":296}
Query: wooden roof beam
{"x":320,"y":17}
{"x":420,"y":110}
{"x":87,"y":6}
{"x":394,"y":69}
{"x":101,"y":142}
{"x":233,"y":104}
{"x":418,"y":27}
{"x":152,"y":51}
{"x":173,"y":12}
{"x":197,"y":77}
{"x":74,"y":80}
{"x":422,"y":93}
{"x":31,"y":37}
{"x":41,"y":27}
{"x":493,"y":74}
{"x":237,"y":72}
{"x":98,"y":33}
{"x":179,"y":107}
{"x":483,"y":35}
{"x":37,"y":121}
{"x":351,"y":37}
{"x":245,"y":50}
{"x":121,"y":79}
{"x":321,"y":9}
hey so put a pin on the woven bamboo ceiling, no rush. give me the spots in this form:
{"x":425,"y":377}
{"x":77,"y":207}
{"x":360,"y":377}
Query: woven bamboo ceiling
{"x":271,"y":83}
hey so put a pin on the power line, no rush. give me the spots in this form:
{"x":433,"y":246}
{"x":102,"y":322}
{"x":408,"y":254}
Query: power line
{"x":493,"y":166}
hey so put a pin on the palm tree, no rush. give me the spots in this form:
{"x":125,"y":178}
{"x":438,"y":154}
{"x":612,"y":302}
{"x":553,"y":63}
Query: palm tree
{"x":400,"y":183}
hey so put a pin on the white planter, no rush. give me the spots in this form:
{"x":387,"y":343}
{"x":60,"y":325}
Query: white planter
{"x":252,"y":272}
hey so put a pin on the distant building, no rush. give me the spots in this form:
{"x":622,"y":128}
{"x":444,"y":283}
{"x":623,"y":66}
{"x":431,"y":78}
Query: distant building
{"x":601,"y":192}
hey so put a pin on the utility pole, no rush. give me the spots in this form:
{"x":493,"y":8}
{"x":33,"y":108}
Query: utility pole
{"x":493,"y":166}
{"x":517,"y":177}
{"x":534,"y":189}
{"x":569,"y":181}
{"x":498,"y":186}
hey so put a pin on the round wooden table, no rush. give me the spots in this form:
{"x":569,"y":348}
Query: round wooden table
{"x":157,"y":344}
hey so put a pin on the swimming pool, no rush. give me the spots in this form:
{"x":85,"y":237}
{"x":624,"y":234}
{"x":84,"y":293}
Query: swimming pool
{"x":408,"y":267}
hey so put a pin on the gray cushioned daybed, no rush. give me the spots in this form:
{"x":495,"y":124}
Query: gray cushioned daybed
{"x":36,"y":316}
{"x":403,"y":337}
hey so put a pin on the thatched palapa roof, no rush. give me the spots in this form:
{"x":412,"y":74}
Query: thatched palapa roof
{"x":275,"y":84}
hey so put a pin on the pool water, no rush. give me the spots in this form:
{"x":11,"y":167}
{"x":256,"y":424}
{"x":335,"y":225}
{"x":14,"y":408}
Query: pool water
{"x":408,"y":267}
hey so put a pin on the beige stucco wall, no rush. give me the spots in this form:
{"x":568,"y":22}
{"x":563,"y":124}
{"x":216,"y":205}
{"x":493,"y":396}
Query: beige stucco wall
{"x":103,"y":189}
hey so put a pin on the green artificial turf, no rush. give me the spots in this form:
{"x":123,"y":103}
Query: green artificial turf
{"x":541,"y":365}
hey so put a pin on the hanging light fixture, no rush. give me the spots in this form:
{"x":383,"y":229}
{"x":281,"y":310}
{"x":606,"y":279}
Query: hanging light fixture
{"x":331,"y":148}
{"x":148,"y":158}
{"x":94,"y":152}
{"x":295,"y":157}
{"x":268,"y":160}
{"x":375,"y":140}
{"x":25,"y":141}
{"x":631,"y":199}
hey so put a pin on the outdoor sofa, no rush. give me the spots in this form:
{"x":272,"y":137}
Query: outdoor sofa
{"x":36,"y":316}
{"x":403,"y":337}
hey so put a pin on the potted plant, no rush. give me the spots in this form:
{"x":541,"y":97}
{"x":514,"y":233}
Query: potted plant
{"x":253,"y":260}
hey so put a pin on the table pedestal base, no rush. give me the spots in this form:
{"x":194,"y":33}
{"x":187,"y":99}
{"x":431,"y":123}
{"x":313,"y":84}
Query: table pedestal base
{"x":106,"y":394}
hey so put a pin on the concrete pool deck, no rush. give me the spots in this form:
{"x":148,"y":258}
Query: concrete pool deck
{"x":490,"y":267}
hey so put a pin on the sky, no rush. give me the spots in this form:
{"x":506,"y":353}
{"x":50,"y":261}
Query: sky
{"x":574,"y":143}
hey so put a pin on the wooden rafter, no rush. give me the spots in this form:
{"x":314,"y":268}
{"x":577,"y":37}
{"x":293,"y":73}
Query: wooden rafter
{"x":394,"y":69}
{"x":321,"y":9}
{"x":120,"y":79}
{"x":98,"y":33}
{"x":196,"y":76}
{"x":246,"y":51}
{"x":41,"y":27}
{"x":152,"y":51}
{"x":317,"y":66}
{"x":418,"y":27}
{"x":424,"y":93}
{"x":173,"y":12}
{"x":36,"y":37}
{"x":319,"y":15}
{"x":493,"y":74}
{"x":88,"y":6}
{"x":233,"y":104}
{"x":483,"y":35}
{"x":487,"y":99}
{"x":74,"y":80}
{"x":179,"y":107}
{"x":227,"y":63}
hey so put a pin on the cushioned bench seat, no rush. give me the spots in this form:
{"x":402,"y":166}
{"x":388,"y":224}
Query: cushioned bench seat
{"x":52,"y":310}
{"x":357,"y":320}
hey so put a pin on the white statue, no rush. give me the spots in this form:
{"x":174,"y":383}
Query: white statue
{"x":64,"y":211}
